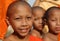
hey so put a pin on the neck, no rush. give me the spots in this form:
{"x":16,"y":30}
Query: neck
{"x":37,"y":33}
{"x":22,"y":38}
{"x":52,"y":36}
{"x":52,"y":32}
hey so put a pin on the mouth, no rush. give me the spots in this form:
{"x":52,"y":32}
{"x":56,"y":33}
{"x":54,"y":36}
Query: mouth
{"x":58,"y":28}
{"x":23,"y":30}
{"x":40,"y":27}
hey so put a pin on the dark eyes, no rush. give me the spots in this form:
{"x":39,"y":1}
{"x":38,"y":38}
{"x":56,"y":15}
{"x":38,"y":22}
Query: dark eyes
{"x":18,"y":18}
{"x":36,"y":19}
{"x":28,"y":18}
{"x":53,"y":20}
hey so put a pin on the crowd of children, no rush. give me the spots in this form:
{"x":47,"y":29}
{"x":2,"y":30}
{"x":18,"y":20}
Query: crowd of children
{"x":22,"y":17}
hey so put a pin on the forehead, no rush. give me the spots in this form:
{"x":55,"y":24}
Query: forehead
{"x":54,"y":13}
{"x":38,"y":12}
{"x":20,"y":10}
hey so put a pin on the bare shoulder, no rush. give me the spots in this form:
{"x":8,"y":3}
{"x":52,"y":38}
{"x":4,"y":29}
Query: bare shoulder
{"x":33,"y":33}
{"x":46,"y":38}
{"x":10,"y":38}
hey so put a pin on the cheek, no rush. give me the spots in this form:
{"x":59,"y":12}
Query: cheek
{"x":30,"y":23}
{"x":52,"y":25}
{"x":15,"y":24}
{"x":35,"y":23}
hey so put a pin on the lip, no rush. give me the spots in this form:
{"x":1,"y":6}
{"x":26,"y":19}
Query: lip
{"x":24,"y":30}
{"x":40,"y":26}
{"x":58,"y":28}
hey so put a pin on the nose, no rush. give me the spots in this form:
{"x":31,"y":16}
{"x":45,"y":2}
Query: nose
{"x":40,"y":21}
{"x":58,"y":22}
{"x":24,"y":23}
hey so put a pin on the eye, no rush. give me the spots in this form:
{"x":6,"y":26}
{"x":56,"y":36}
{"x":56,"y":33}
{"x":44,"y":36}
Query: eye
{"x":53,"y":20}
{"x":28,"y":18}
{"x":18,"y":18}
{"x":35,"y":19}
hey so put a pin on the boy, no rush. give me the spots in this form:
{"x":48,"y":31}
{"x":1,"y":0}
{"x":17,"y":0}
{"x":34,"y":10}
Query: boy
{"x":38,"y":13}
{"x":19,"y":16}
{"x":52,"y":19}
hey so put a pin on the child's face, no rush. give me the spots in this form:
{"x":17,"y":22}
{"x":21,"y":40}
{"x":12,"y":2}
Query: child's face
{"x":38,"y":14}
{"x":21,"y":20}
{"x":54,"y":21}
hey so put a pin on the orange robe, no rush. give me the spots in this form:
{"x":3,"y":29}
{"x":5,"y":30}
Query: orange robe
{"x":33,"y":38}
{"x":59,"y":37}
{"x":3,"y":8}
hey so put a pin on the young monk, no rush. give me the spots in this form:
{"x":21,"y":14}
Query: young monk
{"x":52,"y":18}
{"x":5,"y":4}
{"x":19,"y":16}
{"x":3,"y":9}
{"x":38,"y":13}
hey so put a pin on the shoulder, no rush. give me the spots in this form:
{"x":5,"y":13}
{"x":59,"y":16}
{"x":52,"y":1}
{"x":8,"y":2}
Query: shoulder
{"x":10,"y":38}
{"x":33,"y":33}
{"x":46,"y":37}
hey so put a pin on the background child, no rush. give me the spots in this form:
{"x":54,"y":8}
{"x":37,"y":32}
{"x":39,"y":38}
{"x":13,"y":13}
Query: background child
{"x":19,"y":16}
{"x":38,"y":13}
{"x":52,"y":18}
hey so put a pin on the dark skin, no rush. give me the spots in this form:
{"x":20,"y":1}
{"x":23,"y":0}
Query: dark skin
{"x":37,"y":24}
{"x":20,"y":21}
{"x":53,"y":23}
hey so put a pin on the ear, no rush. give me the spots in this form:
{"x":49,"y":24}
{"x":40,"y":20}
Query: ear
{"x":7,"y":21}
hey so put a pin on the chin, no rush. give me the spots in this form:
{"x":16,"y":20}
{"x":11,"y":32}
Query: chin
{"x":40,"y":29}
{"x":23,"y":34}
{"x":57,"y":32}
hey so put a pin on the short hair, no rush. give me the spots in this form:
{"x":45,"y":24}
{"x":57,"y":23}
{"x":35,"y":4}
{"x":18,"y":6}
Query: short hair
{"x":37,"y":8}
{"x":16,"y":3}
{"x":46,"y":15}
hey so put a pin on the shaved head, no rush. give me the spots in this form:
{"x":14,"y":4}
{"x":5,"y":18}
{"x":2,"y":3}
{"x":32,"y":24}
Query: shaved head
{"x":50,"y":11}
{"x":37,"y":8}
{"x":17,"y":5}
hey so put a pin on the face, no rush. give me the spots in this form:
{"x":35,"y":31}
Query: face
{"x":21,"y":20}
{"x":54,"y":22}
{"x":38,"y":14}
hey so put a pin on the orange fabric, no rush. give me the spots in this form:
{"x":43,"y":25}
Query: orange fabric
{"x":32,"y":38}
{"x":3,"y":8}
{"x":59,"y":37}
{"x":59,"y":6}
